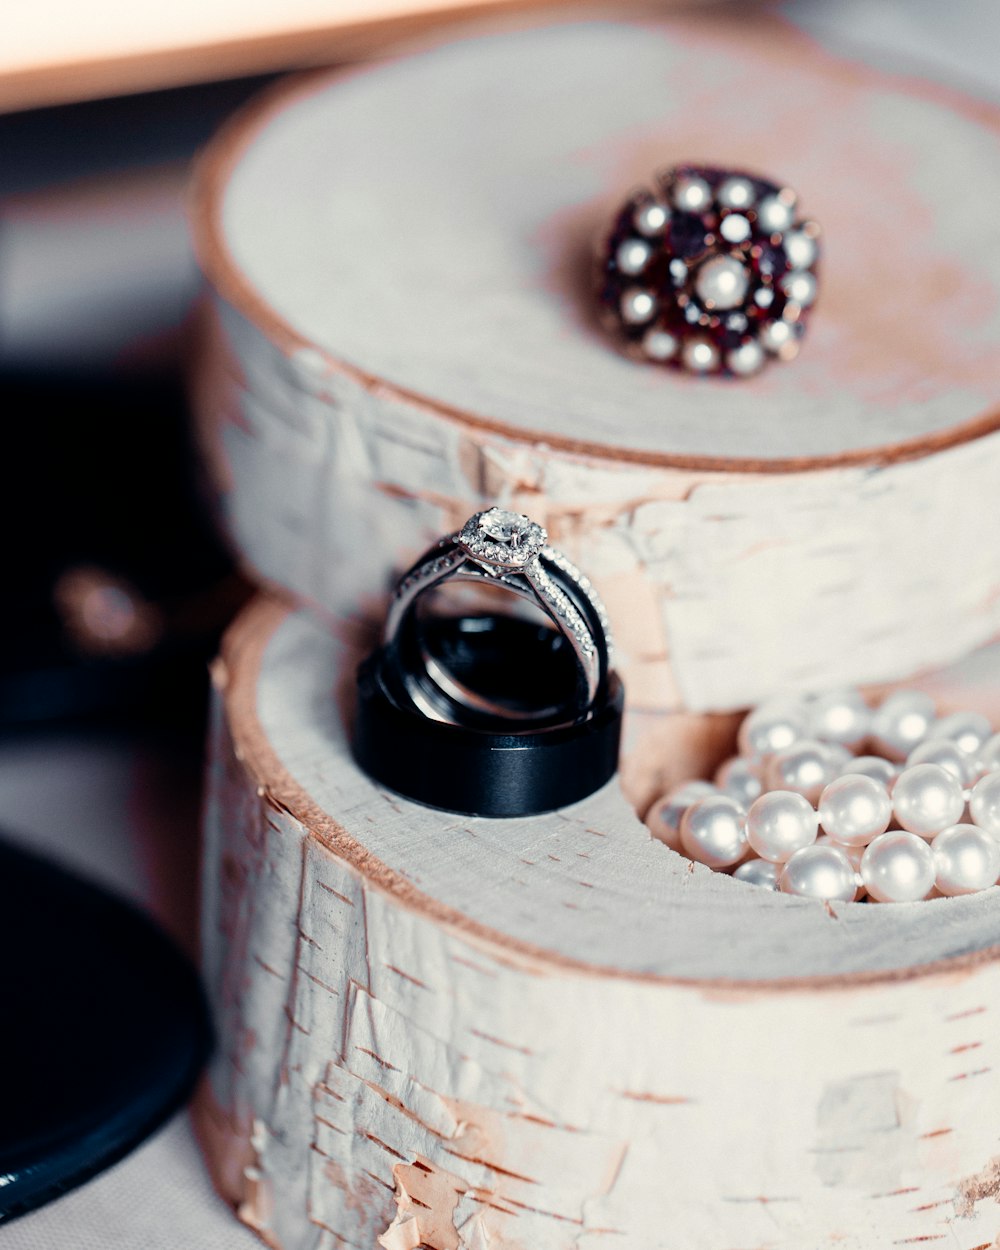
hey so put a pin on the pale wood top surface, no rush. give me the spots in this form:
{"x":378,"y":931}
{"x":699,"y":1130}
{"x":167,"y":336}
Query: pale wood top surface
{"x":429,"y":222}
{"x":586,"y":886}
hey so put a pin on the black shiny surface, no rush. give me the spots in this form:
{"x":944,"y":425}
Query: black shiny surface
{"x":104,"y":1030}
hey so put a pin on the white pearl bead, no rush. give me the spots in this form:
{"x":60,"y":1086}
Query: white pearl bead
{"x":968,"y":730}
{"x":663,"y":820}
{"x":840,"y":716}
{"x":776,"y":336}
{"x":874,"y":766}
{"x":759,"y":872}
{"x":821,"y":872}
{"x":988,"y":756}
{"x":780,"y":823}
{"x":926,"y":799}
{"x":722,"y":282}
{"x":898,"y":868}
{"x":984,"y":805}
{"x":805,"y":767}
{"x":854,"y":810}
{"x":735,"y":192}
{"x":947,"y":754}
{"x":660,"y":344}
{"x":771,"y":727}
{"x":774,"y":214}
{"x":966,"y":859}
{"x":700,"y":355}
{"x":713,"y":831}
{"x":740,"y":779}
{"x":691,"y":195}
{"x":902,"y":721}
{"x":633,"y":256}
{"x":853,"y":853}
{"x":638,"y":306}
{"x":800,"y":287}
{"x":735,"y":228}
{"x":746,"y":359}
{"x":651,"y":218}
{"x":800,"y":248}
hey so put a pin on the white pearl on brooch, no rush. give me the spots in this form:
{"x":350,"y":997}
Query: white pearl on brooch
{"x":700,"y":355}
{"x":821,"y":872}
{"x":758,"y":872}
{"x":771,"y":727}
{"x":780,"y":823}
{"x":898,"y":867}
{"x":735,"y":228}
{"x":874,"y":766}
{"x":691,"y":195}
{"x":651,"y":218}
{"x":740,"y":779}
{"x":776,"y":336}
{"x":713,"y":831}
{"x":799,"y":287}
{"x":660,"y":344}
{"x":774,"y":214}
{"x":840,"y":716}
{"x":855,"y":809}
{"x":966,"y":859}
{"x":638,"y":306}
{"x":663,"y":820}
{"x":902,"y":721}
{"x":805,"y":767}
{"x":735,"y":192}
{"x":984,"y":804}
{"x":633,"y":256}
{"x":926,"y":799}
{"x":746,"y":359}
{"x":968,"y":730}
{"x":800,"y":248}
{"x":947,"y":754}
{"x":722,"y":282}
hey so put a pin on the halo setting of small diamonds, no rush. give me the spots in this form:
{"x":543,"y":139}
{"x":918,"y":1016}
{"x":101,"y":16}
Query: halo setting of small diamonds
{"x":711,"y":271}
{"x":500,"y":539}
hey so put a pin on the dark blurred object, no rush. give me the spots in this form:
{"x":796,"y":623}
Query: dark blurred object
{"x":117,"y":584}
{"x":106,"y":1030}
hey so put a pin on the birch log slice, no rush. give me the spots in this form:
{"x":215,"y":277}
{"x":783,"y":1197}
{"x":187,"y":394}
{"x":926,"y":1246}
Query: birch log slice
{"x":402,"y":330}
{"x":555,"y":1034}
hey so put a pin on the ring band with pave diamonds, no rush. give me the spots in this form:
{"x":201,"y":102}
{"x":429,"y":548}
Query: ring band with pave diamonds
{"x":492,"y":714}
{"x":507,"y":549}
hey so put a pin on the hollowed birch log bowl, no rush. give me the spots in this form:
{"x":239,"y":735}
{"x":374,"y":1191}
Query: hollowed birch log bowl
{"x":556,"y":1034}
{"x":401,"y":330}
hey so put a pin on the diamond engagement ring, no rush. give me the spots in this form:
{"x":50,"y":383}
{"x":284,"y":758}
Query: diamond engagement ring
{"x":499,"y":548}
{"x":486,"y":712}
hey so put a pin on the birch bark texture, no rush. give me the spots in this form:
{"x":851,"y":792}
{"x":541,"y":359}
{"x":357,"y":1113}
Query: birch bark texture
{"x":399,"y":330}
{"x":557,"y":1034}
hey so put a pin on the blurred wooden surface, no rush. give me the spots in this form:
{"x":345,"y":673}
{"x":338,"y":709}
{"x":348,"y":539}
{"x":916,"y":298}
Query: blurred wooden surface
{"x":58,"y":51}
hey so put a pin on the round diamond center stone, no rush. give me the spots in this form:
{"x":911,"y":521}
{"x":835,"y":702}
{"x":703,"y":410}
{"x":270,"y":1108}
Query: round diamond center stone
{"x":722,"y":282}
{"x":509,"y":528}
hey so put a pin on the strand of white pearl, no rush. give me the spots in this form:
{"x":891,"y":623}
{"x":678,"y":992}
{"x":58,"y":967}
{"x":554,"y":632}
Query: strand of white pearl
{"x":796,"y":774}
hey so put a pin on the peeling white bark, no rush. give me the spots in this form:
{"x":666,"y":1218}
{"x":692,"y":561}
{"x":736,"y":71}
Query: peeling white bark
{"x":476,"y":1035}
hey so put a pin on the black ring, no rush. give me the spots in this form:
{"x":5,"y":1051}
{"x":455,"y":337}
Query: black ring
{"x":517,"y":769}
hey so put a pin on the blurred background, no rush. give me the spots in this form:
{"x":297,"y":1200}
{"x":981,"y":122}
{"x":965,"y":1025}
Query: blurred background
{"x":118,"y":583}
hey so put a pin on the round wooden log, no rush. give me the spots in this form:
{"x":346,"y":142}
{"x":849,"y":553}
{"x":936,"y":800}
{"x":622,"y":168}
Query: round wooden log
{"x":556,"y":1034}
{"x":401,"y":329}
